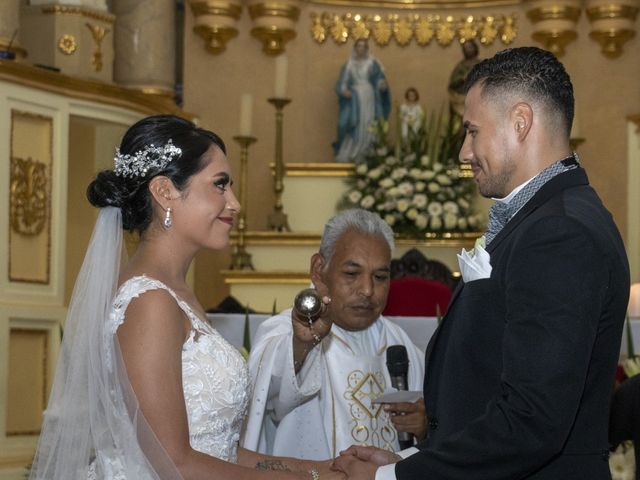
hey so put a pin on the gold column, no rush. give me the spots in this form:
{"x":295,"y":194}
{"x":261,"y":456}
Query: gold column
{"x":9,"y":27}
{"x":274,"y":23}
{"x":554,"y":23}
{"x":612,"y":23}
{"x":145,"y":46}
{"x":215,"y":22}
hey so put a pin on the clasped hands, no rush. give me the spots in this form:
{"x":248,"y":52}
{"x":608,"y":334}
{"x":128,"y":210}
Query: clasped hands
{"x":361,"y":463}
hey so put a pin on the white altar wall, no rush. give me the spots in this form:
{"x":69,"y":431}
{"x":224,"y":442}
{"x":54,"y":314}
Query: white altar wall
{"x":231,"y":327}
{"x":420,"y":329}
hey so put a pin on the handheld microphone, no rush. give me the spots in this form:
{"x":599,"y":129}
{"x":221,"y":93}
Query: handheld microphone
{"x":398,"y":366}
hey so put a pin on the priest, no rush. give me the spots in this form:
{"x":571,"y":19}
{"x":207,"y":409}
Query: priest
{"x":316,"y":379}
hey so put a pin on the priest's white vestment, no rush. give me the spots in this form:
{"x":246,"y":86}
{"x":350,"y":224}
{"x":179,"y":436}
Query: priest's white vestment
{"x":328,"y":405}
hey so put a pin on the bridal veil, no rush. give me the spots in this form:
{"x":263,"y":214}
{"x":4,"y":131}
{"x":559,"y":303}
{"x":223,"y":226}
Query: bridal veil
{"x":93,"y":426}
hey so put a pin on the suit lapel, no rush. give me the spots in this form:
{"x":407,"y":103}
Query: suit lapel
{"x":571,"y":178}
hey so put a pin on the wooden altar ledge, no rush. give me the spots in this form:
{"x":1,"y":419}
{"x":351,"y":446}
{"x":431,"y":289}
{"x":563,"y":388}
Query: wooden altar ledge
{"x":430,"y":239}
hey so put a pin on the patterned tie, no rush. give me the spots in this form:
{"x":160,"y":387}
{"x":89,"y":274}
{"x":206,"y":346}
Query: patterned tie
{"x":500,"y":212}
{"x":498,"y":218}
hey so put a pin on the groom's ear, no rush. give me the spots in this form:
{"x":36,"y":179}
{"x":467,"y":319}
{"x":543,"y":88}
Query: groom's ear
{"x":521,"y":118}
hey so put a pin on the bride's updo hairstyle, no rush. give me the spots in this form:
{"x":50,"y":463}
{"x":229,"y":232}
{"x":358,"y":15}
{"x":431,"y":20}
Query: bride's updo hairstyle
{"x":130,"y":192}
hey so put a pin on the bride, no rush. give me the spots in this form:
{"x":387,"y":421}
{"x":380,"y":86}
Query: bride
{"x":145,"y":388}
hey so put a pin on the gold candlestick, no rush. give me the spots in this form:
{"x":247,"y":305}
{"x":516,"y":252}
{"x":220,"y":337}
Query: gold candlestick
{"x":241,"y":259}
{"x":278,"y":219}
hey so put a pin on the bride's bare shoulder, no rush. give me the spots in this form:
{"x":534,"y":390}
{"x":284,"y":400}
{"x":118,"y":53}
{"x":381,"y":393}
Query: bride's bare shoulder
{"x":149,"y":306}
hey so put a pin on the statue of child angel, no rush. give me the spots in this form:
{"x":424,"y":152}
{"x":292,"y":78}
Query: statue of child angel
{"x":411,"y":113}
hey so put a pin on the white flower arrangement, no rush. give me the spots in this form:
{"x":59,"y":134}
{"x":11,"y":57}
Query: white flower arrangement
{"x":416,"y":187}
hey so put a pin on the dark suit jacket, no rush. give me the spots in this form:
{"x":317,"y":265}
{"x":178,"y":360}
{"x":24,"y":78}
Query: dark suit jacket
{"x":519,"y":375}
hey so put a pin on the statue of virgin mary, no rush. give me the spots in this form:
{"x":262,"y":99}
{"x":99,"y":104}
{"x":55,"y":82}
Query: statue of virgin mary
{"x":363,"y":96}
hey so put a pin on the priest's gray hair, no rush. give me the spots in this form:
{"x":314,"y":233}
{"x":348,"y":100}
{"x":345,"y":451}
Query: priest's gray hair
{"x":353,"y":219}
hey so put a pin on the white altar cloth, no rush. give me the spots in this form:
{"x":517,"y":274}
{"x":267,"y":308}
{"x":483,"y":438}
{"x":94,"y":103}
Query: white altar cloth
{"x":231,"y":327}
{"x":420,"y":329}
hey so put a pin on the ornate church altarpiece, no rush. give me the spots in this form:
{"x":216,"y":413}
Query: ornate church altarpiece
{"x":382,"y":23}
{"x":30,"y":190}
{"x":424,"y":29}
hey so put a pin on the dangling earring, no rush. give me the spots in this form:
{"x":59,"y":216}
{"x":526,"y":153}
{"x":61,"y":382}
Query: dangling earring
{"x":167,"y":218}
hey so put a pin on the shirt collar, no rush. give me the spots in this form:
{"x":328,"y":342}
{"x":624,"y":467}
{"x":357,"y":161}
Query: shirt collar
{"x":513,"y":193}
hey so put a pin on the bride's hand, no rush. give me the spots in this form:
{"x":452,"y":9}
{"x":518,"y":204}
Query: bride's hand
{"x":322,"y":474}
{"x":374,"y":455}
{"x":324,"y":467}
{"x":332,"y":475}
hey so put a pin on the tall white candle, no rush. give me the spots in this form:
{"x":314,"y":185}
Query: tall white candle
{"x":281,"y":76}
{"x":246,"y":106}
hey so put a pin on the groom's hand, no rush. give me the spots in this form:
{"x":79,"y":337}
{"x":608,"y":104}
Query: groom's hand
{"x":354,"y":468}
{"x":375,"y":455}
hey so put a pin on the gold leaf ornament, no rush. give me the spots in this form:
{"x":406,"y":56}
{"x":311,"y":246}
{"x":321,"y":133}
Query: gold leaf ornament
{"x":403,"y":31}
{"x":424,"y":30}
{"x":488,"y":31}
{"x":339,"y":31}
{"x":382,"y":28}
{"x":445,"y":32}
{"x":29,"y":188}
{"x":467,"y":30}
{"x":98,"y":33}
{"x":509,"y":30}
{"x":360,"y":29}
{"x":67,"y":44}
{"x":318,"y":30}
{"x":382,"y":31}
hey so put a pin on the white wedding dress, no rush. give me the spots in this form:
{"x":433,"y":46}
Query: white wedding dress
{"x":215,"y":381}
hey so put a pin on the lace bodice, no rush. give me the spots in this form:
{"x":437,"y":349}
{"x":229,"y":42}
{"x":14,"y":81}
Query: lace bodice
{"x":215,"y":377}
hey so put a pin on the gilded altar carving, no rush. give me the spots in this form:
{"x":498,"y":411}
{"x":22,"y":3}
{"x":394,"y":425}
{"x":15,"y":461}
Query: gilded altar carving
{"x":98,"y":33}
{"x":421,"y":27}
{"x":215,"y":22}
{"x":612,"y":24}
{"x":274,"y":23}
{"x":79,"y":10}
{"x":29,"y":196}
{"x":555,"y":23}
{"x":67,"y":44}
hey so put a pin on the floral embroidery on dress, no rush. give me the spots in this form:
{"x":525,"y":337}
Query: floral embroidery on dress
{"x":215,"y":378}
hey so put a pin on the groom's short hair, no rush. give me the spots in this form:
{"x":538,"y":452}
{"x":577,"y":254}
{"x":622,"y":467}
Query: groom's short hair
{"x":529,"y":72}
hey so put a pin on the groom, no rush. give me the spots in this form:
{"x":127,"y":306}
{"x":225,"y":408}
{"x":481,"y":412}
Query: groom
{"x":519,"y":375}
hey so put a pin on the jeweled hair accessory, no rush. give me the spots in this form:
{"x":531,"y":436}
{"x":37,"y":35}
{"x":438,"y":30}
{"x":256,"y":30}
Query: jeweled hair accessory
{"x":138,"y":164}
